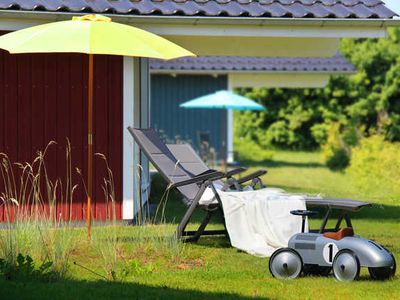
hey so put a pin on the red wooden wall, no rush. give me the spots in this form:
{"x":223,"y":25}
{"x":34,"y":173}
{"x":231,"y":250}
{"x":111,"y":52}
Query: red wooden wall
{"x":43,"y":97}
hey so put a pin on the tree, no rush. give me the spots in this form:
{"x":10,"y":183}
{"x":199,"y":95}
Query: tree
{"x":301,"y":118}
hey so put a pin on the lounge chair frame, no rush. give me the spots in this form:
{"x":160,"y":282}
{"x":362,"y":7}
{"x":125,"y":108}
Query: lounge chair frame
{"x":191,"y":186}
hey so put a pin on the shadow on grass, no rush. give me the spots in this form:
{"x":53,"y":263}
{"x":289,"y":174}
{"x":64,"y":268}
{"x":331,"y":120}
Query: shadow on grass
{"x":74,"y":289}
{"x":379,"y":212}
{"x":281,"y":164}
{"x":218,"y":241}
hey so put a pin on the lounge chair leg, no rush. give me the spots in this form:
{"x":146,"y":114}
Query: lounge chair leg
{"x":188,"y":214}
{"x":202,"y":227}
{"x":221,"y":210}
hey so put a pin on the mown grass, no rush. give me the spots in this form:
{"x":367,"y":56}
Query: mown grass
{"x":305,"y":172}
{"x":150,"y":267}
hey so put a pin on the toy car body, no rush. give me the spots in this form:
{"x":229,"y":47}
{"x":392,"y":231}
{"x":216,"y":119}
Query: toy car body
{"x":316,"y":249}
{"x":337,"y":249}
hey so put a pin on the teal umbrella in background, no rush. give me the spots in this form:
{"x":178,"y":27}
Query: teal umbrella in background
{"x":223,"y":100}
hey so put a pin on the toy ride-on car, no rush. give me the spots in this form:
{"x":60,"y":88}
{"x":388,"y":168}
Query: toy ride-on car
{"x":338,"y":250}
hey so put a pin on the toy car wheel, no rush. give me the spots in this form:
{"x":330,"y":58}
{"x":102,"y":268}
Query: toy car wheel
{"x":315,"y":270}
{"x":383,"y":273}
{"x":346,"y":266}
{"x":285,"y":263}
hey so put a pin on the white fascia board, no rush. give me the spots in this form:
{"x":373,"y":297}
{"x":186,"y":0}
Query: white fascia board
{"x":222,"y":26}
{"x":264,"y":30}
{"x":224,"y":72}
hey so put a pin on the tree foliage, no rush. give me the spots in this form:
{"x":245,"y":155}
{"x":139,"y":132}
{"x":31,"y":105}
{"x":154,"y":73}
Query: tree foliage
{"x":301,"y":118}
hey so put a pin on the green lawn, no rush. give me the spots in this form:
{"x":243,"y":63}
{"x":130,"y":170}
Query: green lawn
{"x":305,"y":172}
{"x":211,"y":268}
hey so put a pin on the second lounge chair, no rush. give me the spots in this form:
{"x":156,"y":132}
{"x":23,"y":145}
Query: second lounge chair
{"x":192,"y":162}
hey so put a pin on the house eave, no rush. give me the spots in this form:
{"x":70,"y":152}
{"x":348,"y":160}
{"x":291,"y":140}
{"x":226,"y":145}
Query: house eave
{"x":260,"y":21}
{"x":231,"y":26}
{"x":212,"y":20}
{"x":223,"y":72}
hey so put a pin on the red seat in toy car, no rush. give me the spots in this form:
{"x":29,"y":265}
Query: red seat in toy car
{"x":338,"y":235}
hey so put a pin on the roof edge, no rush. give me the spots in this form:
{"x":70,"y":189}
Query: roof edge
{"x":214,"y":20}
{"x":223,"y":72}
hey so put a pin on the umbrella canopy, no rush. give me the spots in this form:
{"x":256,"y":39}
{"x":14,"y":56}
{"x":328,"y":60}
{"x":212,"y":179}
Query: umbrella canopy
{"x":91,"y":34}
{"x":223,"y":100}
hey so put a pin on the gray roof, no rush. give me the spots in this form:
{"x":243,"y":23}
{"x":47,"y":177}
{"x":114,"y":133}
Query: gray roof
{"x":230,"y":64}
{"x":348,"y":9}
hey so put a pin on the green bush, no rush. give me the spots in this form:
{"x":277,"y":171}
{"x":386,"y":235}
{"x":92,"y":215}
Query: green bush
{"x":247,"y":150}
{"x":375,"y":166}
{"x":320,"y":133}
{"x":392,"y":128}
{"x":351,"y":135}
{"x":280,"y":135}
{"x":338,"y":159}
{"x":25,"y":269}
{"x":335,"y":152}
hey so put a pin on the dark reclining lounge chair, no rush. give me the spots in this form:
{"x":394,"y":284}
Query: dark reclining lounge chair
{"x":190,"y":183}
{"x":193,"y":163}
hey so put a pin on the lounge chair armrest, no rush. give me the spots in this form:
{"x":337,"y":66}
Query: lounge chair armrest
{"x":235,"y":171}
{"x":211,"y":176}
{"x":251,"y":176}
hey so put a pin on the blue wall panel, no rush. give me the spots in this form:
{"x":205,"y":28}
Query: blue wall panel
{"x":167,"y":92}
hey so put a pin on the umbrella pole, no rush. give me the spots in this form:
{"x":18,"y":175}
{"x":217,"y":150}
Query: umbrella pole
{"x":90,"y":144}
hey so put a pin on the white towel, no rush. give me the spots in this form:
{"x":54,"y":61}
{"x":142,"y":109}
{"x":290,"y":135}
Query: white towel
{"x":259,"y":221}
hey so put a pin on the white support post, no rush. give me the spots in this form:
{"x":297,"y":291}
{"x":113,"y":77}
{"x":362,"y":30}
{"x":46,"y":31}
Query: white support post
{"x":229,"y":128}
{"x":128,"y":146}
{"x":136,"y":110}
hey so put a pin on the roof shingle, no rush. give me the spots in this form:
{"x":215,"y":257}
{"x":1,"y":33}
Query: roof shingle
{"x":347,"y":9}
{"x":227,"y":64}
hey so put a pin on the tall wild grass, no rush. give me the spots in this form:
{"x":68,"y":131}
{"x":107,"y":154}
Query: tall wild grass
{"x":33,"y":226}
{"x":124,"y":251}
{"x":36,"y":226}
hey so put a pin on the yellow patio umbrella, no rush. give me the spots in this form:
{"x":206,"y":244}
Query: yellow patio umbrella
{"x":91,"y":34}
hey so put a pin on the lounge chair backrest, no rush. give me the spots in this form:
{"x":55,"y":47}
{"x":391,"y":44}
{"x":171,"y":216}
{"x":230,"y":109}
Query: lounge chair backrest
{"x":189,"y":159}
{"x":164,"y":161}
